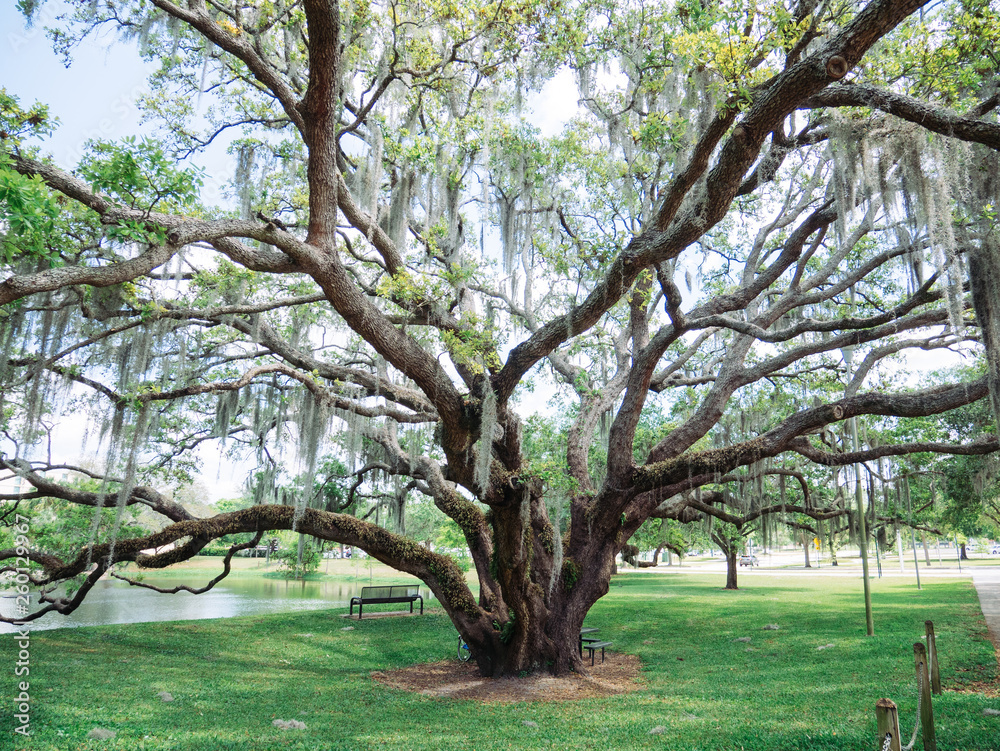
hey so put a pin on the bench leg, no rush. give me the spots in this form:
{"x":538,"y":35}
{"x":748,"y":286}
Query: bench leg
{"x":593,"y":653}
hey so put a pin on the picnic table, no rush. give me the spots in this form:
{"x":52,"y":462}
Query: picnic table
{"x":592,"y":643}
{"x":583,"y":636}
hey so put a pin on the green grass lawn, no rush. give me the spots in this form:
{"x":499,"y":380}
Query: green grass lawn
{"x":230,"y":678}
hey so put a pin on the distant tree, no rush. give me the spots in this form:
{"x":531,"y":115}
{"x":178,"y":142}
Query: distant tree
{"x":299,"y":563}
{"x":656,"y":535}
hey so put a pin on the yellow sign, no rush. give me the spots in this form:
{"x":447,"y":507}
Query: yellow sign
{"x":816,"y":542}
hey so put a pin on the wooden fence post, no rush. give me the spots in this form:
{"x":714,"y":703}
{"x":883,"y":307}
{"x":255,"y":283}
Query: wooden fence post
{"x":888,"y":725}
{"x":924,"y":684}
{"x":932,"y":657}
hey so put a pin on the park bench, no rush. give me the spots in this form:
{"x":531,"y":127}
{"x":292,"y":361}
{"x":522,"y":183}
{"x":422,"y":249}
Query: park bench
{"x":387,"y":593}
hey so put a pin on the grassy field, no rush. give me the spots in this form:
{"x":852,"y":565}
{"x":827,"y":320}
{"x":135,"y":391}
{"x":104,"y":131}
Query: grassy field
{"x":231,"y":678}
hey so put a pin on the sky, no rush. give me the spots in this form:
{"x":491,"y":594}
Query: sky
{"x":93,"y":98}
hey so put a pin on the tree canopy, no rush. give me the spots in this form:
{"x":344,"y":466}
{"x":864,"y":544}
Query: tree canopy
{"x":752,"y":216}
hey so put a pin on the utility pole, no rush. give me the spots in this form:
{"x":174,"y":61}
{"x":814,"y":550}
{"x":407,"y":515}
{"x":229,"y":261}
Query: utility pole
{"x":848,"y":353}
{"x":913,"y":537}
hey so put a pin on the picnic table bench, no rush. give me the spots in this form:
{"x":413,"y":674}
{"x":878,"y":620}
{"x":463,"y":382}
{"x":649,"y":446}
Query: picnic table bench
{"x":387,"y":593}
{"x":592,"y":643}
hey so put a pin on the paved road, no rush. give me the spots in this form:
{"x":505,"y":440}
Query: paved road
{"x":987,"y":583}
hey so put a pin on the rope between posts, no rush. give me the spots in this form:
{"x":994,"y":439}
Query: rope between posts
{"x":920,"y":696}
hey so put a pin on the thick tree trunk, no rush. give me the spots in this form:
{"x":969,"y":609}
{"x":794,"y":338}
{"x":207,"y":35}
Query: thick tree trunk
{"x":545,"y":637}
{"x":542,"y":639}
{"x":731,"y":569}
{"x":730,"y":550}
{"x":805,"y":548}
{"x":536,"y":592}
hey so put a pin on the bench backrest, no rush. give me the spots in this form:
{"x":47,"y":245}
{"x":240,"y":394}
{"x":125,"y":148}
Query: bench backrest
{"x":391,"y":590}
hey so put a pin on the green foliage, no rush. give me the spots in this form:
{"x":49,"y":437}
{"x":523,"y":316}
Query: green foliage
{"x":506,"y":628}
{"x":63,"y":529}
{"x":570,"y":573}
{"x":971,"y":487}
{"x":331,"y":484}
{"x":972,"y":490}
{"x":227,"y":283}
{"x":18,"y":124}
{"x":472,"y":344}
{"x":28,"y":212}
{"x":296,"y":566}
{"x":450,"y":538}
{"x":545,"y":448}
{"x":216,"y":549}
{"x":228,"y":505}
{"x":742,"y":43}
{"x":655,"y":533}
{"x":137,"y":173}
{"x":950,"y":55}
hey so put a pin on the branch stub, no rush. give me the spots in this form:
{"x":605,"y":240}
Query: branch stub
{"x":836,"y":67}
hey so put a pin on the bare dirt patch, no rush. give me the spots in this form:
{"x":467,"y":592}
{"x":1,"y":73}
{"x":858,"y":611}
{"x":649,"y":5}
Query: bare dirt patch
{"x":983,"y":688}
{"x":989,"y":687}
{"x":458,"y":680}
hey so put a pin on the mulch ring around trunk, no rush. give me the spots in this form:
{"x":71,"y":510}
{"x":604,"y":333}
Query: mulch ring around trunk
{"x":461,"y":680}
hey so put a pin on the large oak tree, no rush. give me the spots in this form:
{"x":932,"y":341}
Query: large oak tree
{"x":746,"y":193}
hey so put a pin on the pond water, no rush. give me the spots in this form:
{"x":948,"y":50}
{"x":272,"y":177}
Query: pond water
{"x":114,"y":601}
